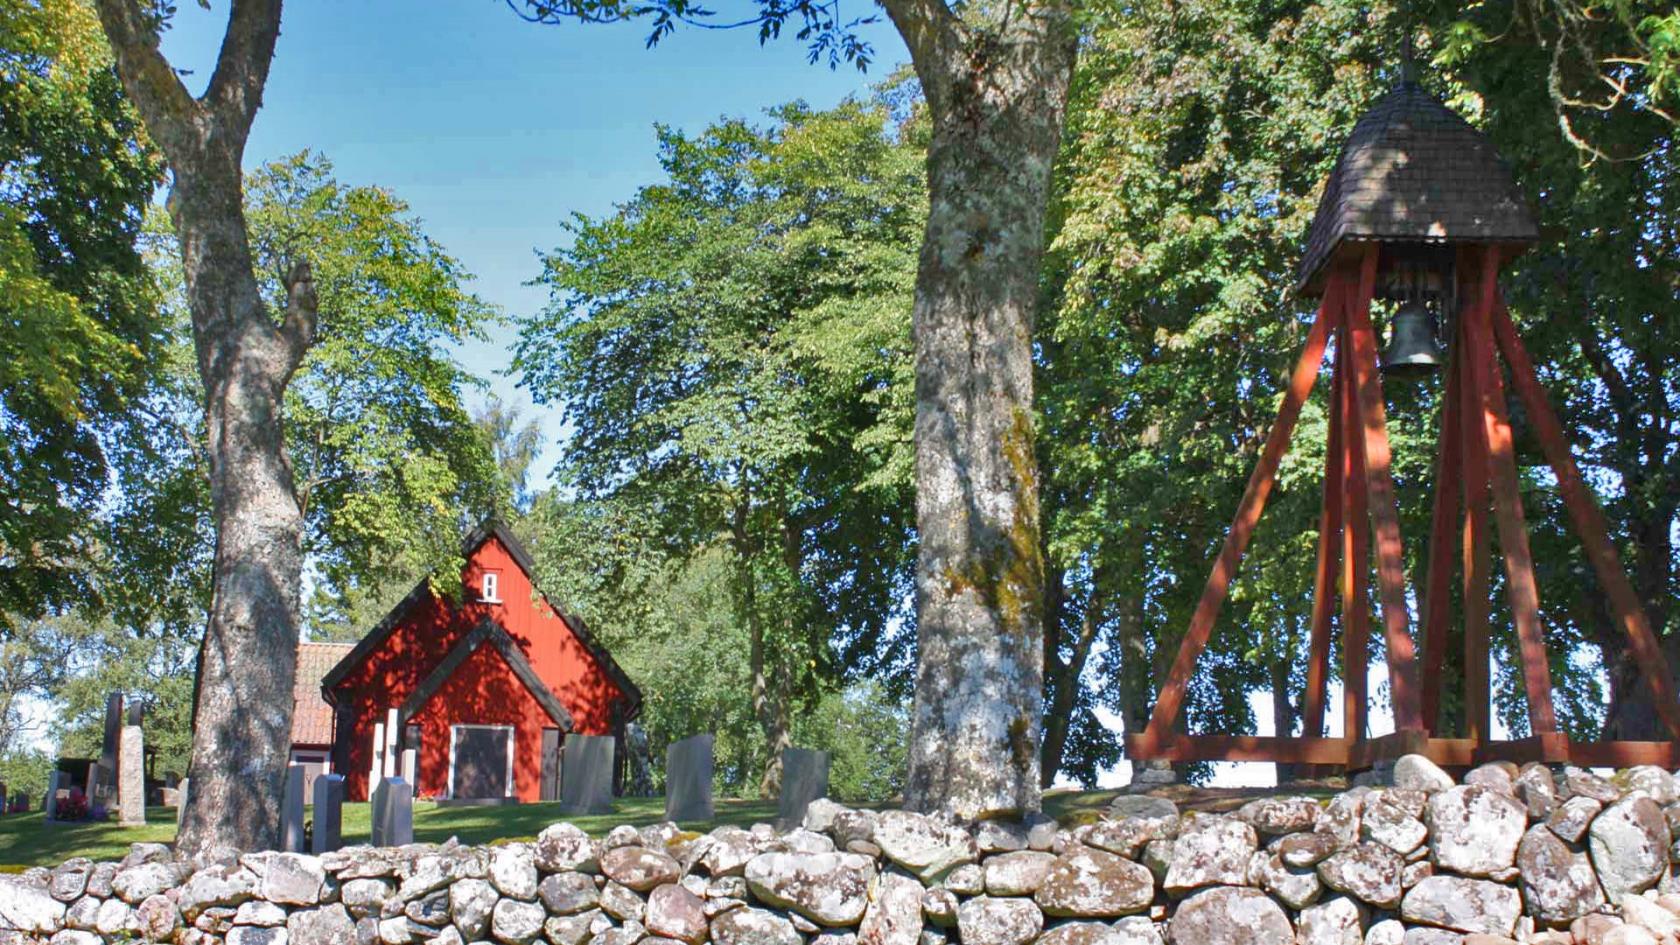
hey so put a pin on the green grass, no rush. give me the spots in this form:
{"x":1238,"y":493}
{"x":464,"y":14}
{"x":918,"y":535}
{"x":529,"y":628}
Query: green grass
{"x":28,"y":840}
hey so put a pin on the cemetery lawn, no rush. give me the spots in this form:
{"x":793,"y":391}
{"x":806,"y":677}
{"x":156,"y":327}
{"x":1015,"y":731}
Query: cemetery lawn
{"x":28,"y":840}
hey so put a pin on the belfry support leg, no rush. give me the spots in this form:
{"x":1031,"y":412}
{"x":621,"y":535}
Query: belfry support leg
{"x":1589,"y":522}
{"x":1437,"y":608}
{"x":1329,"y":561}
{"x":1477,"y":547}
{"x":1171,"y":697}
{"x":1356,"y":561}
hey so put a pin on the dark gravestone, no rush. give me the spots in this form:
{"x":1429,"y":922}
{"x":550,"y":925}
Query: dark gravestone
{"x":688,"y":779}
{"x":804,"y":779}
{"x":586,"y":773}
{"x":291,"y":811}
{"x":102,"y":779}
{"x":328,"y":814}
{"x":393,"y":813}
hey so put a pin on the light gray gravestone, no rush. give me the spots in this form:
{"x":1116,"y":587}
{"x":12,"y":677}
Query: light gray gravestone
{"x":411,"y":766}
{"x":688,"y":779}
{"x":131,"y":776}
{"x":329,"y":814}
{"x":804,"y":779}
{"x":393,"y":813}
{"x":181,"y":801}
{"x":51,"y":805}
{"x":291,"y":811}
{"x":586,"y":770}
{"x":377,"y":768}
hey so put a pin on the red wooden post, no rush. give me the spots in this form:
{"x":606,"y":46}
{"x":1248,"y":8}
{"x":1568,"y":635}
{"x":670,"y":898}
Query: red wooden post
{"x":1437,"y":612}
{"x":1477,"y":695}
{"x":1501,"y":470}
{"x":1171,"y":698}
{"x":1329,"y":560}
{"x":1356,"y":563}
{"x":1385,"y":516}
{"x":1589,"y":521}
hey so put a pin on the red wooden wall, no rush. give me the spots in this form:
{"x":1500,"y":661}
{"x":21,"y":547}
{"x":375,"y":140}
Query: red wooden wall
{"x":482,"y":690}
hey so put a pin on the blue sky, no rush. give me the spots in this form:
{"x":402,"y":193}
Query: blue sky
{"x":494,"y":130}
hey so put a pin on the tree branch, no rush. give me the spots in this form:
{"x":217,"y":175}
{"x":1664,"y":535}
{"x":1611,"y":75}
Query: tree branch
{"x":302,"y":318}
{"x":929,"y":29}
{"x":165,"y":104}
{"x":236,"y":88}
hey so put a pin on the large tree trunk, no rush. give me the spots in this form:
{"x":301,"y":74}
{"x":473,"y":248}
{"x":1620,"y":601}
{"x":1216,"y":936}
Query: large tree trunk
{"x":243,"y":704}
{"x":996,"y":92}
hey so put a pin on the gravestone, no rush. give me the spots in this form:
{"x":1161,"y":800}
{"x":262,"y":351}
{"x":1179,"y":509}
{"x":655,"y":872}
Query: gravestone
{"x":410,"y":766}
{"x":131,"y":777}
{"x":291,"y":811}
{"x":586,"y":771}
{"x":392,"y":731}
{"x":804,"y":779}
{"x":329,"y":814}
{"x":393,"y":813}
{"x":181,"y":791}
{"x":96,"y":774}
{"x":688,"y":779}
{"x":376,"y":770}
{"x":51,"y":802}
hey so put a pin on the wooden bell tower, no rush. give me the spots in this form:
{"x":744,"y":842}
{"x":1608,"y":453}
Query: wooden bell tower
{"x":1420,"y":210}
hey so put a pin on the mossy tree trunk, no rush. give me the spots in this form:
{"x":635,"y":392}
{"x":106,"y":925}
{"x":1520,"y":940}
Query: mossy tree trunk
{"x":246,"y":357}
{"x":996,"y":86}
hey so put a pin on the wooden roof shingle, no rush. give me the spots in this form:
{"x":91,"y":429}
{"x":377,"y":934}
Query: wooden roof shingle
{"x":1414,"y":171}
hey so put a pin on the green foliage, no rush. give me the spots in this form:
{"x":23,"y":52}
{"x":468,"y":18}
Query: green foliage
{"x":732,"y":352}
{"x":74,"y":296}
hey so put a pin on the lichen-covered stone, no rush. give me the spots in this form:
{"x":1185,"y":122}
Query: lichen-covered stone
{"x":940,"y":906}
{"x":639,"y":868}
{"x":563,"y":847}
{"x":1388,"y":823}
{"x":831,"y":889}
{"x":1210,"y":850}
{"x":894,"y":913}
{"x":1335,"y":921}
{"x":727,"y":850}
{"x":1463,"y":905}
{"x":293,"y":879}
{"x":28,"y":908}
{"x":328,"y":925}
{"x":1085,"y":882}
{"x":923,"y":844}
{"x":1629,"y":844}
{"x":1127,"y":836}
{"x":748,"y":926}
{"x":568,"y":893}
{"x":1274,"y":816}
{"x":986,"y":920}
{"x":1368,"y":872}
{"x":516,"y":922}
{"x":1558,"y":883}
{"x":674,"y":912}
{"x":1294,"y":887}
{"x":471,"y":902}
{"x":1019,"y":873}
{"x":1537,"y":790}
{"x":1307,"y":849}
{"x":1230,"y":915}
{"x":134,"y":883}
{"x":1570,"y":819}
{"x":1419,"y":773}
{"x":1579,"y":782}
{"x":1474,"y":830}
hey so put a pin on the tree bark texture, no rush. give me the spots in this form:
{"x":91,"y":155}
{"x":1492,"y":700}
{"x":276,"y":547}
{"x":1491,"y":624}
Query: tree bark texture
{"x":246,"y":357}
{"x":996,"y":90}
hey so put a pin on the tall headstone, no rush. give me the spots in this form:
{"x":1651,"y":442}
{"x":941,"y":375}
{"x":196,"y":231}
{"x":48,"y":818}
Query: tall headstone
{"x":586,"y":772}
{"x":688,"y":779}
{"x":329,"y":814}
{"x":291,"y":811}
{"x":392,"y":731}
{"x":131,"y":776}
{"x":51,"y":805}
{"x":804,"y":779}
{"x":113,"y":731}
{"x":376,"y":770}
{"x":181,"y":792}
{"x":393,"y":813}
{"x":411,"y":766}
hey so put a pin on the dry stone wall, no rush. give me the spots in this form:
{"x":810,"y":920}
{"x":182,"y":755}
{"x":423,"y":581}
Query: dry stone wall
{"x":1526,"y":855}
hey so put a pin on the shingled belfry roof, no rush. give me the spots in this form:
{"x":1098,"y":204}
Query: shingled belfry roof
{"x":1414,"y":171}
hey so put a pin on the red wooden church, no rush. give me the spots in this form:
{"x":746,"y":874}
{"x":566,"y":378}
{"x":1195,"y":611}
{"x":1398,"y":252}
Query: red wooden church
{"x":485,"y":689}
